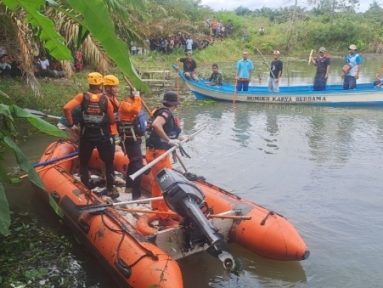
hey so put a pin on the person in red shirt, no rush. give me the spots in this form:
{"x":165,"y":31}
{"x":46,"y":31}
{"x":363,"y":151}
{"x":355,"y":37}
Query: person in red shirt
{"x":96,"y":118}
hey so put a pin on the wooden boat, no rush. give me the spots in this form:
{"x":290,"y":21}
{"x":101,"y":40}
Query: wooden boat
{"x":140,"y":255}
{"x":363,"y":95}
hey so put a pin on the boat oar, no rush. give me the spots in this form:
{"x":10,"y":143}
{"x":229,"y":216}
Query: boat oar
{"x":171,"y":213}
{"x":162,"y":156}
{"x":101,"y":207}
{"x":310,"y":56}
{"x":54,"y":160}
{"x":40,"y":169}
{"x":265,"y":62}
{"x":41,"y":114}
{"x":181,"y":162}
{"x":235,"y":91}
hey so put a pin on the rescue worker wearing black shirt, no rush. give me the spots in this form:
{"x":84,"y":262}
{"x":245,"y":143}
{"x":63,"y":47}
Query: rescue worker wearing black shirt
{"x":96,"y":118}
{"x":164,"y":134}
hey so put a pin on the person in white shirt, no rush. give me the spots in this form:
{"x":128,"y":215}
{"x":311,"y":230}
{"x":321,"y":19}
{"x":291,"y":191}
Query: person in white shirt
{"x":189,"y":44}
{"x":44,"y":64}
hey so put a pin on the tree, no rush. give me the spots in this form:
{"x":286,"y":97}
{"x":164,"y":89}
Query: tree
{"x":8,"y":132}
{"x":87,"y":15}
{"x":31,"y":15}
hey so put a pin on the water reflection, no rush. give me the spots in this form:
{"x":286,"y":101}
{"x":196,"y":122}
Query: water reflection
{"x":241,"y":125}
{"x":291,"y":159}
{"x":256,"y":272}
{"x":330,"y":133}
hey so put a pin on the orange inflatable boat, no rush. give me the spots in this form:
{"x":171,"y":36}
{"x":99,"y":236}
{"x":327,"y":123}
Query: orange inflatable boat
{"x":138,"y":254}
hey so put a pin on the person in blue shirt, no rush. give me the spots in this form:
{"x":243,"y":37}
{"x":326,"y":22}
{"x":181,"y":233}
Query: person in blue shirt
{"x":244,"y":68}
{"x":352,"y":68}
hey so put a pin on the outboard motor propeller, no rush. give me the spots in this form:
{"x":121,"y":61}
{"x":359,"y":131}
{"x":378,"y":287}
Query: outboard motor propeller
{"x":184,"y":198}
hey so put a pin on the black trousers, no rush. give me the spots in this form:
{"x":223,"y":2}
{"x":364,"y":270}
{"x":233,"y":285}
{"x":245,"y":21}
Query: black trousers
{"x":105,"y":150}
{"x":133,"y":150}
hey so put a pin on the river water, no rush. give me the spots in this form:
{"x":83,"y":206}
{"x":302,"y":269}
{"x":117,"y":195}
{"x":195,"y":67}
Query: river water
{"x":320,"y":167}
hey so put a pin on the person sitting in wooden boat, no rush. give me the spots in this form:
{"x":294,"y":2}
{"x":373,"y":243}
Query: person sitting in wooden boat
{"x":189,"y":66}
{"x":96,"y":118}
{"x":244,"y":68}
{"x":131,"y":132}
{"x":215,"y":78}
{"x":352,"y":68}
{"x":276,"y":68}
{"x":322,"y":63}
{"x":111,"y":84}
{"x":163,"y":135}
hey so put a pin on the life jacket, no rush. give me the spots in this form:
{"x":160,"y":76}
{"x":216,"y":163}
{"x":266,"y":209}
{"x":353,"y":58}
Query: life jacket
{"x":134,"y":127}
{"x":171,"y":128}
{"x":94,"y":110}
{"x":131,"y":124}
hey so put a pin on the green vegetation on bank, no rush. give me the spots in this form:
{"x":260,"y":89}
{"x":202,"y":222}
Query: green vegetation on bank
{"x":35,"y":256}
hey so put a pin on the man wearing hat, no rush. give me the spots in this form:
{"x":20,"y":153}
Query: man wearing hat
{"x":164,"y":134}
{"x":276,"y":68}
{"x":352,"y":68}
{"x":322,"y":63}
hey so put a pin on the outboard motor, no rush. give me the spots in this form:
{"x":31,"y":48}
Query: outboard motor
{"x":184,"y":198}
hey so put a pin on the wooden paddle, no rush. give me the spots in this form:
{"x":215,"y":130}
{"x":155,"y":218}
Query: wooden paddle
{"x":264,"y":62}
{"x":311,"y":56}
{"x":235,"y":91}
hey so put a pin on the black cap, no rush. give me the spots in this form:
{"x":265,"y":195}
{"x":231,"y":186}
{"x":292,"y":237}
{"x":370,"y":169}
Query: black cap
{"x":170,"y":98}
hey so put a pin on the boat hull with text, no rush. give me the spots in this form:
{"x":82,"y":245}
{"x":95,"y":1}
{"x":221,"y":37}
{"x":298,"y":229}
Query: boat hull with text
{"x":364,"y":95}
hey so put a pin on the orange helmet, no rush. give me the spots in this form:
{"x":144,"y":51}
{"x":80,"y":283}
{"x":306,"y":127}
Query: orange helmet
{"x":111,"y":80}
{"x":95,"y":78}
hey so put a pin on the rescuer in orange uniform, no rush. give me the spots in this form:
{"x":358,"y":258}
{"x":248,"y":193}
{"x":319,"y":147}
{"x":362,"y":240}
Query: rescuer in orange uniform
{"x":131,"y":139}
{"x":164,"y":134}
{"x":96,"y":118}
{"x":111,"y":84}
